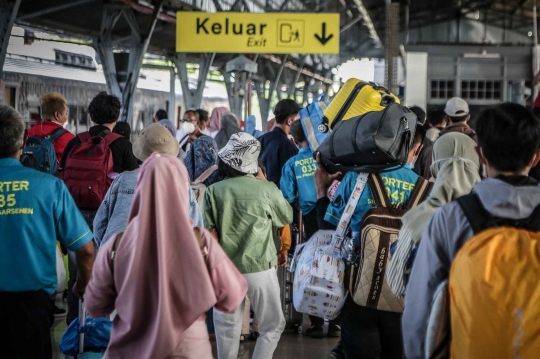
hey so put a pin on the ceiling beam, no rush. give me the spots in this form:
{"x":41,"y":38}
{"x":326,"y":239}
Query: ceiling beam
{"x":53,"y":9}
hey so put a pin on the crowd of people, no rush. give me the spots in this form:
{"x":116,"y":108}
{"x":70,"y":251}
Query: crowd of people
{"x":180,"y":221}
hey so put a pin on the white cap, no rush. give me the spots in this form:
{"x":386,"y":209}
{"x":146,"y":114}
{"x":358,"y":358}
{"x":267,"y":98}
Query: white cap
{"x":456,"y":107}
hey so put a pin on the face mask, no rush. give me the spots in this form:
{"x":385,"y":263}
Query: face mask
{"x":205,"y":131}
{"x":188,"y":127}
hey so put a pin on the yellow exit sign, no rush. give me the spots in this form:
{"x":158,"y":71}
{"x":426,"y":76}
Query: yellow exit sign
{"x":240,"y":32}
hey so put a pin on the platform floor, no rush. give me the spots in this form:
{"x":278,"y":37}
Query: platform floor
{"x":291,"y":346}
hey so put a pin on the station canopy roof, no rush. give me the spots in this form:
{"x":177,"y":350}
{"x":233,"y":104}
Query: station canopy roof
{"x":362,"y":21}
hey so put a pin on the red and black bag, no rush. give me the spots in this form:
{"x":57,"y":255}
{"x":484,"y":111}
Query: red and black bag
{"x":87,"y":169}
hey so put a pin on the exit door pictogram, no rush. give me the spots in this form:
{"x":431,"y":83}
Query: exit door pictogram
{"x":290,"y":33}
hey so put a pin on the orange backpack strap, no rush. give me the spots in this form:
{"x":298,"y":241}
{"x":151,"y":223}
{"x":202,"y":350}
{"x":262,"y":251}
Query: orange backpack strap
{"x":421,"y":191}
{"x":378,"y":190}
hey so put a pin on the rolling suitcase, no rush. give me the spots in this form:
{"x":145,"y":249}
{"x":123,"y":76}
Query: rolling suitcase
{"x":356,"y":98}
{"x":293,"y":318}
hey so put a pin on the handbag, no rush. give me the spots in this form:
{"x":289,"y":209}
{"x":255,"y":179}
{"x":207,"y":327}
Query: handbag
{"x":375,"y":142}
{"x":319,"y":268}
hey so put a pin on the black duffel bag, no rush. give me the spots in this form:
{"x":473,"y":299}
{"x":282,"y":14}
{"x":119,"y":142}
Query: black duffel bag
{"x":375,"y":142}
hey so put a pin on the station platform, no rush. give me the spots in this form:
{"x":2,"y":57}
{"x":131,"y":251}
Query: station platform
{"x":291,"y":345}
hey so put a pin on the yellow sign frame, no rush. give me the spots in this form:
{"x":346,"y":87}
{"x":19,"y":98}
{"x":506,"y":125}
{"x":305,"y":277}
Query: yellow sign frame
{"x":273,"y":33}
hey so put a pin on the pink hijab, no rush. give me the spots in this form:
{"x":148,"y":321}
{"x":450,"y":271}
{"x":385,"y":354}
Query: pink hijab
{"x":215,"y":118}
{"x":162,"y":283}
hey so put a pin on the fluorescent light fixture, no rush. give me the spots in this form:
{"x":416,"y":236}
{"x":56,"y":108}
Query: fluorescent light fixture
{"x":481,"y":55}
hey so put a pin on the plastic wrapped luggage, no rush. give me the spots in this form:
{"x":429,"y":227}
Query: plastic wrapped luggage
{"x":319,"y":266}
{"x":98,"y":332}
{"x":313,"y":122}
{"x":356,"y":98}
{"x":375,"y":142}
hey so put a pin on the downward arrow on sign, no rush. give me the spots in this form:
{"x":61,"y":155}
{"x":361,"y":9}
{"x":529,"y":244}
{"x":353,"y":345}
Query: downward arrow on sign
{"x":323,"y":39}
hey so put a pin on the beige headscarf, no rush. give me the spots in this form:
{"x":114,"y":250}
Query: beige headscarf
{"x":456,"y":170}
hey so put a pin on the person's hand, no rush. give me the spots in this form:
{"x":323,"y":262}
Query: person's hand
{"x":214,"y":233}
{"x":79,"y":292}
{"x":282,"y":259}
{"x":323,"y":179}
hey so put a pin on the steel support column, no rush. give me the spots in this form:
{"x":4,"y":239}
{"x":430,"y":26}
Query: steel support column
{"x":193,"y":97}
{"x":124,"y":88}
{"x":8,"y":13}
{"x":264,"y":100}
{"x":292,"y":88}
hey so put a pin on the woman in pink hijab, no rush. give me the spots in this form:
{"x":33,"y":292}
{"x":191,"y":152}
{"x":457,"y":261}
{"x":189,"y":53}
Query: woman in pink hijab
{"x":215,"y":120}
{"x":161,"y":279}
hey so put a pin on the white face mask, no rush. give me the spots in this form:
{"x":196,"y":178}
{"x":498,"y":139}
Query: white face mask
{"x":188,"y":127}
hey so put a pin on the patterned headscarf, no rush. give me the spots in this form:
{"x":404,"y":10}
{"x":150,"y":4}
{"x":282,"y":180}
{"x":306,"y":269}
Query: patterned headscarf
{"x":202,"y":156}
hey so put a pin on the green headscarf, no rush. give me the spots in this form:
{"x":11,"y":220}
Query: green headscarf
{"x":456,"y":170}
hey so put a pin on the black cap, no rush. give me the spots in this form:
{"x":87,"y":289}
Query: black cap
{"x":286,"y":107}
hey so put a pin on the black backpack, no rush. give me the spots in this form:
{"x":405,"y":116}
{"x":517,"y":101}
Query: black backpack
{"x":375,"y":142}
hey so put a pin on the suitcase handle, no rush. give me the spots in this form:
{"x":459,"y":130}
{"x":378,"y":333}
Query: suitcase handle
{"x":82,"y":318}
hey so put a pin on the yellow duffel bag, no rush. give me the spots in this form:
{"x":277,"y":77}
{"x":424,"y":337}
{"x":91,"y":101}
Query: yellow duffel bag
{"x":356,"y":98}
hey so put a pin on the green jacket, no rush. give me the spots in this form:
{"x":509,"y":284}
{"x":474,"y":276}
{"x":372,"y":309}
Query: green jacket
{"x":243,"y":210}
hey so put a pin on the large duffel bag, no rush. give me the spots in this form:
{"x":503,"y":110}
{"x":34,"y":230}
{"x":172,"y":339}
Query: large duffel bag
{"x":376,"y":142}
{"x":356,"y":98}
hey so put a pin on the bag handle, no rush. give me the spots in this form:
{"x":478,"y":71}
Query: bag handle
{"x":421,"y":191}
{"x":84,"y":137}
{"x":348,"y":102}
{"x":376,"y":184}
{"x":204,"y":176}
{"x":111,"y":137}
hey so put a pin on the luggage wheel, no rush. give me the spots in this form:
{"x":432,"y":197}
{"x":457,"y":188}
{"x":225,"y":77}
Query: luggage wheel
{"x":299,"y":329}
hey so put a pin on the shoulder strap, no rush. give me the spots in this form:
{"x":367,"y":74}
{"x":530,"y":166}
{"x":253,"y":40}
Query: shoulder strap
{"x":192,"y":150}
{"x":53,"y":136}
{"x":84,"y":137}
{"x":480,"y":219}
{"x":200,"y":240}
{"x":359,"y":186}
{"x":378,"y":190}
{"x":117,"y":240}
{"x":204,"y":176}
{"x":421,"y":191}
{"x":111,"y":137}
{"x":476,"y":214}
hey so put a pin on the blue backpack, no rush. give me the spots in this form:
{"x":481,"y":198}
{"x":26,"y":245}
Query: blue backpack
{"x":40,"y":154}
{"x":313,"y":123}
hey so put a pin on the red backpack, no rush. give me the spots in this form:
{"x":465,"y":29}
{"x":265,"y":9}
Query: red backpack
{"x":87,"y":168}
